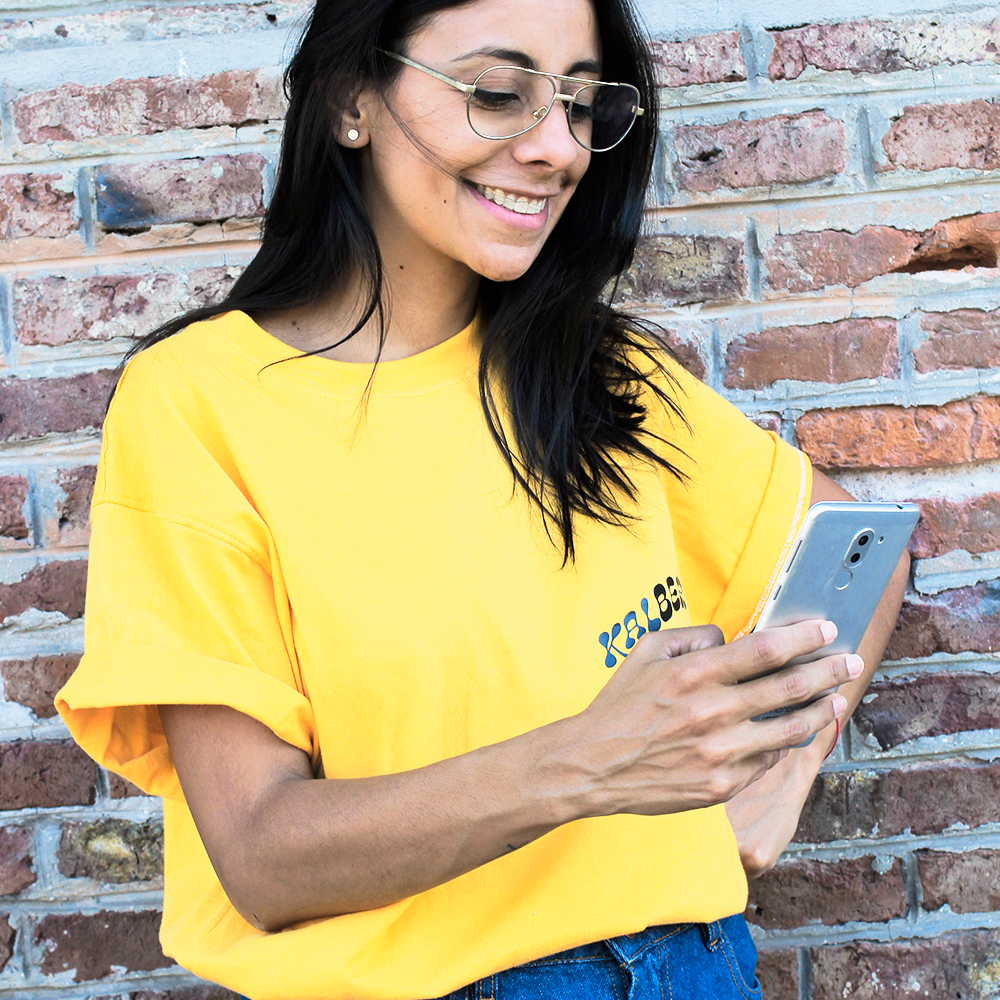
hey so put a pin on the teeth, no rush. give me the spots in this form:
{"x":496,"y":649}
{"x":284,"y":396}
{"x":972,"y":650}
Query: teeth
{"x":513,"y":203}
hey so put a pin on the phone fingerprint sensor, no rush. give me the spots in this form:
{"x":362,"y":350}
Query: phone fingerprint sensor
{"x":842,"y":579}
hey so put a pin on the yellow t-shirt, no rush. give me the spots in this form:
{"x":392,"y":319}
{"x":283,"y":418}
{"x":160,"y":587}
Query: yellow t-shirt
{"x":361,"y":578}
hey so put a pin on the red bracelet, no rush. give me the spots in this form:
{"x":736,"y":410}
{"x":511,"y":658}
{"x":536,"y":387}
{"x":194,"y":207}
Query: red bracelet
{"x":835,"y":742}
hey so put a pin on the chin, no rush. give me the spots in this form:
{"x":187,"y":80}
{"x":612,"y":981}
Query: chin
{"x":504,"y":270}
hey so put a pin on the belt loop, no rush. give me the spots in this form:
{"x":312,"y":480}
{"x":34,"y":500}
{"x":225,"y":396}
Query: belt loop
{"x":710,"y":934}
{"x":487,"y":987}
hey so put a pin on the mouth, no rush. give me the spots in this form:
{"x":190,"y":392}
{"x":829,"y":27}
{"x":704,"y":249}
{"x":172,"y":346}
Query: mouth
{"x":521,"y":204}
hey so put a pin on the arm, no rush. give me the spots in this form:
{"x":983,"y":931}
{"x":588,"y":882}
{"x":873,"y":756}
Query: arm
{"x":670,"y":731}
{"x":765,"y":814}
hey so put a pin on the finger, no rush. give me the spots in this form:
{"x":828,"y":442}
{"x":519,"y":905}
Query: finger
{"x":800,"y":683}
{"x":678,"y":641}
{"x":771,"y":648}
{"x":793,"y":728}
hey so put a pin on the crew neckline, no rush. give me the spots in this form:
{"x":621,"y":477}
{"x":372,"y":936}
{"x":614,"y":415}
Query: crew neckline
{"x":452,"y":360}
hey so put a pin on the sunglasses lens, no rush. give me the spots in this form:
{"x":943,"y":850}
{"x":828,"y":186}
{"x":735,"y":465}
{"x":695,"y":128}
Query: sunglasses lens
{"x":601,"y":116}
{"x":507,"y":101}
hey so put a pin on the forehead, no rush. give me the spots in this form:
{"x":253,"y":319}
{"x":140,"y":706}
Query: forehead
{"x":554,"y":33}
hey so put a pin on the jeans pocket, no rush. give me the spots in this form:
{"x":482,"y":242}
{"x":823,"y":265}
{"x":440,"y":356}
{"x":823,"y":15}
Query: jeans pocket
{"x":741,"y":954}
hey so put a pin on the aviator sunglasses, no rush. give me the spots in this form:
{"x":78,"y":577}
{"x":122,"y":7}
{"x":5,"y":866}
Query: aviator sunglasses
{"x":506,"y":101}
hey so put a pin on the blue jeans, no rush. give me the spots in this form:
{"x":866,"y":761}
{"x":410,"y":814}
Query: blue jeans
{"x":715,"y":961}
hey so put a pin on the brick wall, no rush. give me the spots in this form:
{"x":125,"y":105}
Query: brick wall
{"x":824,"y":230}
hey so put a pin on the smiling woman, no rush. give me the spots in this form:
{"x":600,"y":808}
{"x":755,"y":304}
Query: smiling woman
{"x":413,"y":560}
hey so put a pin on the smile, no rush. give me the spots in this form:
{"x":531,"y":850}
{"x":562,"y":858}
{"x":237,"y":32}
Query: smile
{"x":514,"y":203}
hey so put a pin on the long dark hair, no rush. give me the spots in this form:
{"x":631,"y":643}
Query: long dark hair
{"x":562,"y":370}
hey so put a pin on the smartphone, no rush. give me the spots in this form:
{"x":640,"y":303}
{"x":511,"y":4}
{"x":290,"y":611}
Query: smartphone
{"x":837,"y":569}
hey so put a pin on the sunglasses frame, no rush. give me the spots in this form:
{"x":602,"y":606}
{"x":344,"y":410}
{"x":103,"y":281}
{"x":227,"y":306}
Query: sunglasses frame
{"x":568,"y":99}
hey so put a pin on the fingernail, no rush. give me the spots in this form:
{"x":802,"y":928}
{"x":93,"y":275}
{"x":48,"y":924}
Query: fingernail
{"x":855,"y":665}
{"x":839,"y":705}
{"x":829,"y":630}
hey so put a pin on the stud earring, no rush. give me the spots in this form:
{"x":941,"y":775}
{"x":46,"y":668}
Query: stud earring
{"x":353,"y":134}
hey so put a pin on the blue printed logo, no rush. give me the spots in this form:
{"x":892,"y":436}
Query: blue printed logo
{"x":669,"y":597}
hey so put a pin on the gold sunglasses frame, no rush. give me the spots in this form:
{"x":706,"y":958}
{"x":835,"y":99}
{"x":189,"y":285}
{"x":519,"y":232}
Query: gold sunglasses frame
{"x":470,"y":88}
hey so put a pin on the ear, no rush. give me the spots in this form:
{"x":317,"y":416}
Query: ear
{"x":353,"y":124}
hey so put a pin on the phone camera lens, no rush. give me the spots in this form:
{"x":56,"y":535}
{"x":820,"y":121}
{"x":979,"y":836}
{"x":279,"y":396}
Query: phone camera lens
{"x":863,"y":540}
{"x":855,"y":557}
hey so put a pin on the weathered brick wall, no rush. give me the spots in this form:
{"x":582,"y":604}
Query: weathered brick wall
{"x":824,"y":230}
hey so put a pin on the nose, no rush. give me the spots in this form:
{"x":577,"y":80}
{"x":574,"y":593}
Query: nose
{"x":550,"y":142}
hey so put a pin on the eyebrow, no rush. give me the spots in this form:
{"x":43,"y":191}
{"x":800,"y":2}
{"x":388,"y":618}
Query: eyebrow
{"x":518,"y":58}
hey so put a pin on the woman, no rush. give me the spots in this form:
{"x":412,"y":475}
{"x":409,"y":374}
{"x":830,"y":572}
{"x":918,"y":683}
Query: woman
{"x":412,"y":560}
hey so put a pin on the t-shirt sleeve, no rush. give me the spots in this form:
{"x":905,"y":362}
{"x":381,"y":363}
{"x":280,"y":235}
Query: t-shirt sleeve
{"x":738,"y":510}
{"x":185,"y":600}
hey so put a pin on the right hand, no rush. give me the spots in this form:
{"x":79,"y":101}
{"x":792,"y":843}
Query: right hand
{"x":672,"y":729}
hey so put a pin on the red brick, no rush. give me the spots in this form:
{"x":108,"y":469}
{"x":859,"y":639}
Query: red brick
{"x":112,"y":850}
{"x":30,"y":408}
{"x":962,"y":965}
{"x":36,"y":205}
{"x":16,"y":872}
{"x":122,"y":788}
{"x":138,"y":195}
{"x":778,"y":972}
{"x":929,"y":705}
{"x":932,"y":136}
{"x":801,"y":262}
{"x":52,"y":586}
{"x":91,"y":944}
{"x":823,"y":352}
{"x":684,"y":269}
{"x":55,"y":311}
{"x":881,"y":46}
{"x":895,"y":437}
{"x":954,"y":621}
{"x":687,"y":351}
{"x":797,"y":893}
{"x":965,"y":338}
{"x":968,"y":883}
{"x":945,"y":525}
{"x":147,"y":106}
{"x":705,"y":59}
{"x":7,"y":936}
{"x":71,"y":525}
{"x":45,"y":774}
{"x":13,"y":496}
{"x":922,"y":798}
{"x":34,"y":683}
{"x":786,"y":149}
{"x":207,"y":992}
{"x":768,"y":422}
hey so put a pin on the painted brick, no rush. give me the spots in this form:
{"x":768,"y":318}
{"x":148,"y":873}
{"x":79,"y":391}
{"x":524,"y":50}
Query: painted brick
{"x":30,"y":408}
{"x":36,"y":205}
{"x":778,"y":972}
{"x":13,"y":524}
{"x":7,"y":935}
{"x":891,"y":437}
{"x":56,"y":310}
{"x":144,"y":107}
{"x":882,"y":46}
{"x":199,"y":189}
{"x":922,"y":798}
{"x":786,"y":149}
{"x":929,"y":705}
{"x":797,"y":893}
{"x":965,"y":338}
{"x":801,"y":262}
{"x":705,"y":59}
{"x":945,"y":525}
{"x":71,"y":524}
{"x":954,"y":621}
{"x":122,"y":788}
{"x":91,"y":944}
{"x":112,"y":850}
{"x":207,"y":992}
{"x":680,"y":270}
{"x":932,"y":136}
{"x":34,"y":683}
{"x":967,"y":882}
{"x":52,"y":586}
{"x":843,"y":351}
{"x":959,"y":965}
{"x":16,"y":872}
{"x":45,"y":774}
